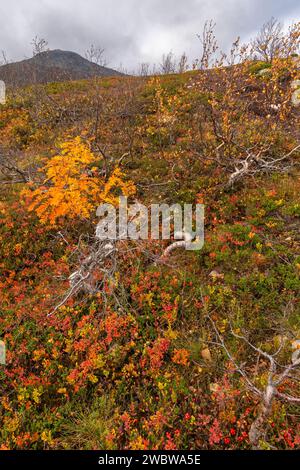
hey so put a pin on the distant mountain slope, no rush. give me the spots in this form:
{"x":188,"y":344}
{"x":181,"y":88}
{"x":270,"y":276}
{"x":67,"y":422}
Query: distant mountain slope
{"x":51,"y":66}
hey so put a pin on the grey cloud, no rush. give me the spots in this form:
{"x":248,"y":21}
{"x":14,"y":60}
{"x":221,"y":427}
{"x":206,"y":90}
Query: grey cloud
{"x":132,"y":31}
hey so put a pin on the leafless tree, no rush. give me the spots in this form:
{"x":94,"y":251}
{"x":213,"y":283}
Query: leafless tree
{"x":95,"y":54}
{"x":273,"y":42}
{"x":209,"y":44}
{"x":269,"y":42}
{"x":154,"y":70}
{"x":4,"y":60}
{"x":144,"y":69}
{"x":122,"y":69}
{"x":168,"y":64}
{"x":39,"y":45}
{"x":183,"y":63}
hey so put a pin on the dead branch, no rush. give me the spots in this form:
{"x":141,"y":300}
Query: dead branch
{"x":259,"y":163}
{"x":275,"y":379}
{"x":100,"y":261}
{"x":9,"y":168}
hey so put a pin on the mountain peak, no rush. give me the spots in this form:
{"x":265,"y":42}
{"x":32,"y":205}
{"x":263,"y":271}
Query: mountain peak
{"x":50,"y":66}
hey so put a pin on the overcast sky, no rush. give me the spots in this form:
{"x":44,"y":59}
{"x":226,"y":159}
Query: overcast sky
{"x":132,"y":31}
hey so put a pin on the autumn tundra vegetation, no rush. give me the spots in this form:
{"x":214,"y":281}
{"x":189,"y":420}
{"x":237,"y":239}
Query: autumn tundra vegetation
{"x":126,"y":345}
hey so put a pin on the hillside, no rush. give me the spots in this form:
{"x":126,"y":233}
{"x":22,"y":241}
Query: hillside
{"x":52,"y":66}
{"x":125,"y":345}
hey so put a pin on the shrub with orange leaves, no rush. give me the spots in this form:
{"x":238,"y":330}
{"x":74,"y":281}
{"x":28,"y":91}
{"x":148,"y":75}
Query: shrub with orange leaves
{"x":157,"y":351}
{"x":181,"y":357}
{"x":73,"y":187}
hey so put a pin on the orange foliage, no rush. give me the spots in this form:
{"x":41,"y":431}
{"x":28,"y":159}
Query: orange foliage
{"x":73,"y":187}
